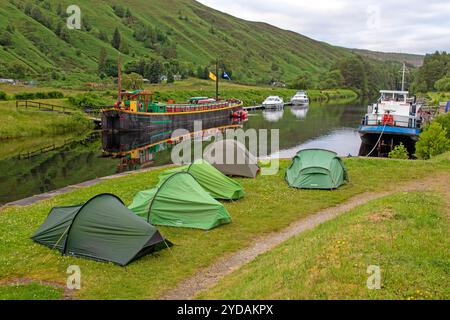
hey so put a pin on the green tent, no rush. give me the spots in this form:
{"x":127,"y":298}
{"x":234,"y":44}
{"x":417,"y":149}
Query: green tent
{"x":212,"y":180}
{"x":102,"y":229}
{"x":180,"y":201}
{"x":316,"y":169}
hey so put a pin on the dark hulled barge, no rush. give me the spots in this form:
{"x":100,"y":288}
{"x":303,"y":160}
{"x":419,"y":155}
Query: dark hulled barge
{"x":136,"y":111}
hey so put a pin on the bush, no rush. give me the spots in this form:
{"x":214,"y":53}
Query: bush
{"x":443,"y":84}
{"x":399,"y":152}
{"x":5,"y":39}
{"x":87,"y":100}
{"x":433,"y":141}
{"x":444,"y":121}
{"x":39,"y":95}
{"x":3,"y":95}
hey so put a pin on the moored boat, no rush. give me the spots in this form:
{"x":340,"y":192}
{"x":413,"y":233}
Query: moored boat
{"x":273,"y":102}
{"x":137,"y":111}
{"x":300,"y":99}
{"x":394,"y":118}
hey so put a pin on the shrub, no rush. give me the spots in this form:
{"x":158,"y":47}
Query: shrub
{"x":444,"y":121}
{"x":24,"y":96}
{"x":432,"y":141}
{"x":87,"y":100}
{"x":443,"y":84}
{"x":3,"y":95}
{"x":5,"y":39}
{"x":399,"y":152}
{"x":39,"y":95}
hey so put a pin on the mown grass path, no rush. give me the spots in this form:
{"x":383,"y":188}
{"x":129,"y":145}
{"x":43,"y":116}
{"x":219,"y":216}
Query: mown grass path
{"x":210,"y":276}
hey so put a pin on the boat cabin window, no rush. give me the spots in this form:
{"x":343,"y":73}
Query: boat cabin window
{"x":398,"y":97}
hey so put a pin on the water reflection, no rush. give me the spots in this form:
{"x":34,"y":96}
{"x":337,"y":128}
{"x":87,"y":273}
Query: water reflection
{"x":321,"y":126}
{"x":273,"y":115}
{"x":143,"y":149}
{"x":299,"y":112}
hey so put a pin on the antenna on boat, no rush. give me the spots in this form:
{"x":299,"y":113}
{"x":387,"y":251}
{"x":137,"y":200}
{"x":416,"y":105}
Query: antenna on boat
{"x":404,"y":71}
{"x":119,"y":89}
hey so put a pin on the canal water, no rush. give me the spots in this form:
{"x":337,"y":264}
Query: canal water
{"x":34,"y":170}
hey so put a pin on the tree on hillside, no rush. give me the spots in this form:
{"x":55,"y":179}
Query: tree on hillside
{"x":116,"y":39}
{"x":5,"y":39}
{"x":154,"y":71}
{"x":354,"y":74}
{"x":443,"y":84}
{"x":331,"y":80}
{"x":124,"y":48}
{"x":132,"y":81}
{"x":102,"y":35}
{"x":434,"y":68}
{"x":170,"y":77}
{"x":102,"y":62}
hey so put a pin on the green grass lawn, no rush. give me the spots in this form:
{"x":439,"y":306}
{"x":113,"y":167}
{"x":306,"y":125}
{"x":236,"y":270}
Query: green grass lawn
{"x":30,"y":291}
{"x":270,"y":205}
{"x":26,"y":123}
{"x":406,"y":235}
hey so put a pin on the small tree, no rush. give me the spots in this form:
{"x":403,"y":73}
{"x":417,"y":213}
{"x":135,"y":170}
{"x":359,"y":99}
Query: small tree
{"x":432,"y":141}
{"x":444,"y":121}
{"x":117,"y":39}
{"x":170,"y":77}
{"x":5,"y":39}
{"x":102,"y":62}
{"x":132,"y":81}
{"x":399,"y":152}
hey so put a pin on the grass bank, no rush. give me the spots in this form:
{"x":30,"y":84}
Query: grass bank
{"x":270,"y":205}
{"x":406,"y":235}
{"x":251,"y":95}
{"x":26,"y":123}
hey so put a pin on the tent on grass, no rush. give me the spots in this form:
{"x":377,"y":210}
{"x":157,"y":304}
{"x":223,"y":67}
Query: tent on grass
{"x":316,"y":169}
{"x":102,"y":229}
{"x":212,"y":180}
{"x":180,"y":201}
{"x":232,"y":158}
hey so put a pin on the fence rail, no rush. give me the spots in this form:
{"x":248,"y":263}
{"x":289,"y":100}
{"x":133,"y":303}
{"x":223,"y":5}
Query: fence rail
{"x":93,"y":114}
{"x":44,"y":106}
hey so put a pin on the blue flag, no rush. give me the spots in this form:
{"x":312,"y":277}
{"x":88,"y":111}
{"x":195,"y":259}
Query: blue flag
{"x":225,"y":76}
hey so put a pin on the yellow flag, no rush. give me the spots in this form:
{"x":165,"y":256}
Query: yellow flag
{"x":212,"y":76}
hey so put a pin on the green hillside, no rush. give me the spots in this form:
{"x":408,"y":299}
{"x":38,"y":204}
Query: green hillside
{"x":34,"y":40}
{"x":415,"y":60}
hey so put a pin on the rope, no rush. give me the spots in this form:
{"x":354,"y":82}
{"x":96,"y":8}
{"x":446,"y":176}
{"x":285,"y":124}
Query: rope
{"x":46,"y":257}
{"x":379,"y":139}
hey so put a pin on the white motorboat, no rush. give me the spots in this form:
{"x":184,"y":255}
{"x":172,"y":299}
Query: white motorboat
{"x":300,"y":98}
{"x":273,"y":102}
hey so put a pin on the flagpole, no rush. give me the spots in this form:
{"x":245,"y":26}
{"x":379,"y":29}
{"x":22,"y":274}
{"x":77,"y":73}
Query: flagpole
{"x":217,"y":79}
{"x":119,"y":87}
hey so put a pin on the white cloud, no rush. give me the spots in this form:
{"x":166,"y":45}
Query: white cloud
{"x":412,"y":26}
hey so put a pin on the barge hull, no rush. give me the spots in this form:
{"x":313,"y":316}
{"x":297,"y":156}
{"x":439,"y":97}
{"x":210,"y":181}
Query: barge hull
{"x":118,"y":120}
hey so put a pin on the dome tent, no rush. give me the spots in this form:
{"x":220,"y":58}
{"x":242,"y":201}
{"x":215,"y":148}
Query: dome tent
{"x":316,"y":169}
{"x":101,"y":229}
{"x":240,"y":163}
{"x":212,"y":180}
{"x":180,"y":201}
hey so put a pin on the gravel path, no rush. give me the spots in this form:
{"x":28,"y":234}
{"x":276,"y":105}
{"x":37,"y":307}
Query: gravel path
{"x":208,"y":277}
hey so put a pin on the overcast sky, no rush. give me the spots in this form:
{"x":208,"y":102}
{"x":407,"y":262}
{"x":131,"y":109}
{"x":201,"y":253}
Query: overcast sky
{"x":409,"y":26}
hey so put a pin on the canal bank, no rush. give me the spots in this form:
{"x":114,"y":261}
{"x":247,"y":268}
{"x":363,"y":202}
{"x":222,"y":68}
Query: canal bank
{"x":265,"y":194}
{"x":330,"y":126}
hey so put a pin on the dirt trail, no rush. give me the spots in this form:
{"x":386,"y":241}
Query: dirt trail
{"x":208,"y":277}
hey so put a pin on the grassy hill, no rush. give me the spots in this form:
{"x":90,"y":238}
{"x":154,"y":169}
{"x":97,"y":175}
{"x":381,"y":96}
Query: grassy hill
{"x":186,"y":30}
{"x":415,"y":60}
